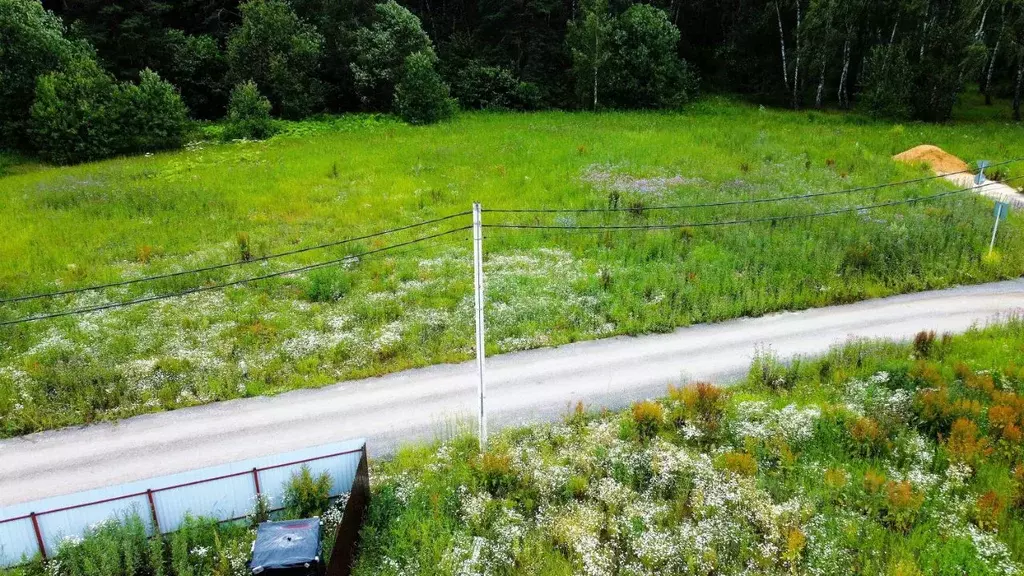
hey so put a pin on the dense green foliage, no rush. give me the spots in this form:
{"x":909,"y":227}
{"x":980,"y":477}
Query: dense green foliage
{"x":306,"y":495}
{"x":382,"y":50}
{"x":278,"y":51}
{"x":248,"y":114}
{"x":421,"y":96}
{"x":907,"y":59}
{"x":340,"y":177}
{"x":878,"y":458}
{"x":83,"y":114}
{"x":33,"y":45}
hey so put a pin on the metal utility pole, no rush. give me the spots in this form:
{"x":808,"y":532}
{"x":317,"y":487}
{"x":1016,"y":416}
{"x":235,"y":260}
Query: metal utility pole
{"x":478,"y":289}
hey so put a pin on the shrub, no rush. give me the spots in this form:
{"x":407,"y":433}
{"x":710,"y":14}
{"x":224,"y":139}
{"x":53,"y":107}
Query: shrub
{"x":701,"y":402}
{"x":33,"y":45}
{"x":886,"y":91}
{"x":481,"y":87}
{"x":74,"y":116}
{"x":198,"y":67}
{"x":988,"y":508}
{"x":306,"y":496}
{"x":279,"y":51}
{"x":645,"y":68}
{"x":194,"y":547}
{"x":902,"y":505}
{"x":924,"y":341}
{"x":248,"y":114}
{"x":116,"y":547}
{"x":421,"y":97}
{"x":740,"y":463}
{"x":381,"y":52}
{"x":495,"y":473}
{"x":868,"y":437}
{"x":260,"y":512}
{"x":153,"y":116}
{"x":83,"y":115}
{"x":964,"y":444}
{"x":328,"y":284}
{"x":647,"y":416}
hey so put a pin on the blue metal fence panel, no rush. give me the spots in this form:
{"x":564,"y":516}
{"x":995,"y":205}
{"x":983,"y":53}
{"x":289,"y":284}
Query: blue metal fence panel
{"x":17,"y":541}
{"x":223,"y":492}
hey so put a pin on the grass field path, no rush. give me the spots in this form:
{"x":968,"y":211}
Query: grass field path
{"x":415,"y":404}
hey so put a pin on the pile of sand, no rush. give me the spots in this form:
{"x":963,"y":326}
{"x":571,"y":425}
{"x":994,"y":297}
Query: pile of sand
{"x":939,"y":160}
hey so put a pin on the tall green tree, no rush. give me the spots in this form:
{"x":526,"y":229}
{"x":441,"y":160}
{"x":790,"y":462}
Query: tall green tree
{"x":646,"y":70}
{"x":33,"y":44}
{"x":281,"y":53}
{"x":381,"y":51}
{"x":590,"y":40}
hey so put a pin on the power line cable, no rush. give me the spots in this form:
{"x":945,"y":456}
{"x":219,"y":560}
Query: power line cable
{"x":101,"y":307}
{"x":737,"y":202}
{"x":737,"y":221}
{"x":228,"y":264}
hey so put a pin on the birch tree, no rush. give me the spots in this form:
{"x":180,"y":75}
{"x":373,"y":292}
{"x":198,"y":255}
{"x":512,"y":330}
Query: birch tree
{"x":589,"y":40}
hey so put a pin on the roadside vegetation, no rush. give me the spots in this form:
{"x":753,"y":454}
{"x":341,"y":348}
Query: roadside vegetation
{"x":335,"y":178}
{"x":121,"y":546}
{"x":877,"y":458}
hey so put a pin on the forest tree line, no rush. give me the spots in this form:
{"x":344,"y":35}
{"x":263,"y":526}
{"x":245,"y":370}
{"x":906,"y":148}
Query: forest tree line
{"x":148,"y":64}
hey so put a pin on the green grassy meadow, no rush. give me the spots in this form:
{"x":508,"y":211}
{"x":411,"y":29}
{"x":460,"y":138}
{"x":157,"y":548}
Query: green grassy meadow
{"x":878,"y":458}
{"x":334,"y":178}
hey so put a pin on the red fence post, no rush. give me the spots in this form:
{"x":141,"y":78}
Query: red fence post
{"x":256,"y":480}
{"x":152,"y":510}
{"x":39,"y":535}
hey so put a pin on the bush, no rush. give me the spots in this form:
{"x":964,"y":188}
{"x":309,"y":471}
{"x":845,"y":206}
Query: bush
{"x":279,"y":51}
{"x":248,"y":114}
{"x":198,"y":67}
{"x":194,"y":547}
{"x":82,"y":114}
{"x":33,"y":45}
{"x":74,"y":117}
{"x":116,"y":547}
{"x":381,"y":53}
{"x":152,"y":115}
{"x":645,"y":70}
{"x":481,"y":87}
{"x":421,"y":97}
{"x":647,"y":416}
{"x":328,"y":284}
{"x":306,"y":496}
{"x":740,"y":463}
{"x":886,"y":91}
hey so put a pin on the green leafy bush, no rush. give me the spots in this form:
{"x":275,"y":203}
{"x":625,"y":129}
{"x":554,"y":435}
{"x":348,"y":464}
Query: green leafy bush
{"x":381,"y":53}
{"x":248,"y":114}
{"x":152,"y":116}
{"x":198,"y":67}
{"x":74,"y":117}
{"x":279,"y":51}
{"x":81,"y":114}
{"x":116,"y":547}
{"x":482,"y":87}
{"x":886,"y":88}
{"x":306,"y":496}
{"x":194,"y":547}
{"x":33,"y":45}
{"x":421,"y":96}
{"x":328,"y":284}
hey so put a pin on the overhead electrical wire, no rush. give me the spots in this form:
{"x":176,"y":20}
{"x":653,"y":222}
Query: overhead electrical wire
{"x":738,"y":202}
{"x":228,"y":264}
{"x":736,"y":221}
{"x":207,"y":288}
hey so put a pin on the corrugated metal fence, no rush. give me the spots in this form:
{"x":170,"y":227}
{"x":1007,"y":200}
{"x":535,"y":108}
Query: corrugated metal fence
{"x":225,"y":492}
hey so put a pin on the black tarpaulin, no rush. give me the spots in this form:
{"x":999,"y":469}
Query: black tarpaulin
{"x":284,"y":545}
